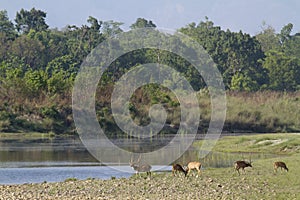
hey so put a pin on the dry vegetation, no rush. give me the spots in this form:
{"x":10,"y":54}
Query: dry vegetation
{"x":246,"y":112}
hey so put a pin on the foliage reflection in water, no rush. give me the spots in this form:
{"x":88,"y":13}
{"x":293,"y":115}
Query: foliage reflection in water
{"x":38,"y":160}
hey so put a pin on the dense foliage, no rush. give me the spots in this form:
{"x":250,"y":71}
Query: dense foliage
{"x":38,"y":66}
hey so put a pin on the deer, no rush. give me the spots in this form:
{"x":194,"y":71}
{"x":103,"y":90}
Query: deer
{"x":241,"y":164}
{"x":178,"y":168}
{"x":280,"y":164}
{"x":138,"y":167}
{"x":192,"y":166}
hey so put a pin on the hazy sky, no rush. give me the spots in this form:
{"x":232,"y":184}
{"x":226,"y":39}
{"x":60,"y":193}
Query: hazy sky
{"x":245,"y":15}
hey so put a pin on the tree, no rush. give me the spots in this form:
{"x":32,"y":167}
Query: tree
{"x":81,"y":40}
{"x":232,"y":52}
{"x":111,"y":27}
{"x":6,"y":26}
{"x":268,"y":39}
{"x":240,"y":82}
{"x":285,"y":33}
{"x":292,"y":46}
{"x":95,"y":25}
{"x":12,"y":71}
{"x":142,"y":23}
{"x":54,"y":43}
{"x":35,"y":82}
{"x":61,"y":73}
{"x":66,"y":63}
{"x":30,"y":50}
{"x":283,"y":71}
{"x":33,"y":19}
{"x":4,"y":44}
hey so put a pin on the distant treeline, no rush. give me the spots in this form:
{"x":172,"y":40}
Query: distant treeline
{"x":38,"y":66}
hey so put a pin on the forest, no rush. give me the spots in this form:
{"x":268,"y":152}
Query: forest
{"x":38,"y":66}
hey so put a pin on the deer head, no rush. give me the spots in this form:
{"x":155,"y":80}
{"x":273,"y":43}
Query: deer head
{"x":241,"y":164}
{"x":280,"y":164}
{"x":178,"y":168}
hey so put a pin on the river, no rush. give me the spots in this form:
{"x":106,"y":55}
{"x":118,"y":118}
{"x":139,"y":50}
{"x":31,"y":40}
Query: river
{"x":57,"y":159}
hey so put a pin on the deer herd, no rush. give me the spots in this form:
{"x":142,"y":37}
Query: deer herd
{"x":177,"y":168}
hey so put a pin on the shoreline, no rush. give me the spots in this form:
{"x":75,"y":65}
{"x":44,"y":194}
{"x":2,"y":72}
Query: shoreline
{"x":258,"y":182}
{"x":209,"y":185}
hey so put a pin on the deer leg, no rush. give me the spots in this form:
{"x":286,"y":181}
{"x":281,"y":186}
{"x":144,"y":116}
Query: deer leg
{"x":188,"y":172}
{"x":244,"y":170}
{"x":199,"y":172}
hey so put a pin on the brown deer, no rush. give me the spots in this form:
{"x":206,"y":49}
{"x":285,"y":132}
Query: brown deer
{"x":138,"y":167}
{"x":241,"y":164}
{"x":280,"y":164}
{"x":192,"y":166}
{"x":178,"y":168}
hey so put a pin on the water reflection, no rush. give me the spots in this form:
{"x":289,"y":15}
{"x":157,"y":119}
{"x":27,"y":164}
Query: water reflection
{"x":71,"y":152}
{"x":25,"y":151}
{"x":55,"y":159}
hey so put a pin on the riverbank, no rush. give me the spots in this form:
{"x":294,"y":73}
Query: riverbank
{"x":259,"y":182}
{"x":251,"y":112}
{"x":256,"y":183}
{"x":161,"y":186}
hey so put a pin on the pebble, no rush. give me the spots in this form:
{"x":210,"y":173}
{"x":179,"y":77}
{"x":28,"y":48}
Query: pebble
{"x":163,"y":186}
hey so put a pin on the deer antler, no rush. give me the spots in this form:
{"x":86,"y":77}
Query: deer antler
{"x":131,"y":160}
{"x":139,"y":159}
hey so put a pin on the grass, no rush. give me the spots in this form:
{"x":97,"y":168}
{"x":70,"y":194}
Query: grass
{"x":263,"y":111}
{"x":283,"y":185}
{"x":259,"y":112}
{"x":26,"y":135}
{"x":258,"y":182}
{"x":71,"y":179}
{"x":279,"y":143}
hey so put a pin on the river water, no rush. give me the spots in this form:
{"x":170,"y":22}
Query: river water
{"x":54,"y":160}
{"x":57,"y":159}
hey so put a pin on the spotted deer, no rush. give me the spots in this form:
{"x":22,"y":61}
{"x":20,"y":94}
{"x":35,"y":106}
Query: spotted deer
{"x":241,"y":164}
{"x":178,"y":168}
{"x":138,"y":167}
{"x":193,"y":166}
{"x":280,"y":164}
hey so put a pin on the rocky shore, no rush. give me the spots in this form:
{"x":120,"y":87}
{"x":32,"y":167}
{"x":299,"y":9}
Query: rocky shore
{"x":258,"y":182}
{"x":160,"y":186}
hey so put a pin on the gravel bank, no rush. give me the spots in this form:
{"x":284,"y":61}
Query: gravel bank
{"x":160,"y":186}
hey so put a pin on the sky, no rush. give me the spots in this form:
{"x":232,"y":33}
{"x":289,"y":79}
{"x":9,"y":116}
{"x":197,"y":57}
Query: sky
{"x":234,"y":15}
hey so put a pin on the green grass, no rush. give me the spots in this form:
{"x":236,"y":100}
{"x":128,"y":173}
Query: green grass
{"x":26,"y":135}
{"x":285,"y":185}
{"x":70,"y":180}
{"x":280,"y":185}
{"x":278,"y":143}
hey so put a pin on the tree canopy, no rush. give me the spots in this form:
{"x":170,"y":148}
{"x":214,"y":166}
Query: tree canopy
{"x":38,"y":62}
